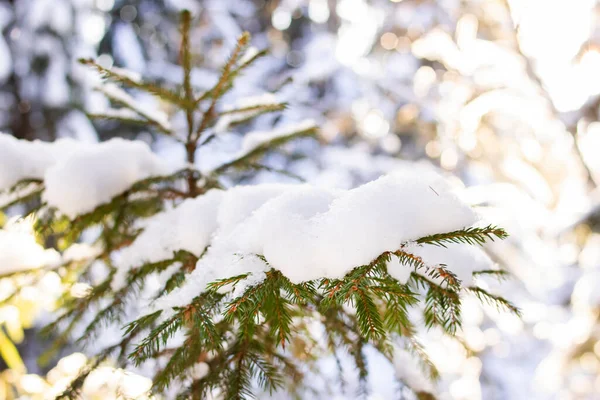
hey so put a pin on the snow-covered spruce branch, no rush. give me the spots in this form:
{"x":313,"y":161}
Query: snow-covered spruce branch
{"x":134,"y":81}
{"x":379,"y":300}
{"x":241,"y":270}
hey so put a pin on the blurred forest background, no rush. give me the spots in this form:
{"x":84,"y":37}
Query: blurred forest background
{"x":503,"y":95}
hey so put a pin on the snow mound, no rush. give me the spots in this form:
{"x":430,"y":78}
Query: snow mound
{"x":95,"y":174}
{"x":308,"y":232}
{"x":19,"y":251}
{"x":22,"y":159}
{"x":188,"y":227}
{"x":191,"y":226}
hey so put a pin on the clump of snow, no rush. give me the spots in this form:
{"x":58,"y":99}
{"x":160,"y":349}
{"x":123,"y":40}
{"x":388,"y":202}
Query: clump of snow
{"x":19,"y":251}
{"x":103,"y":382}
{"x":78,"y":176}
{"x":134,"y":108}
{"x":199,"y":370}
{"x":187,"y":227}
{"x":122,"y":113}
{"x":22,"y":159}
{"x":127,"y":73}
{"x":248,"y":55}
{"x":107,"y":382}
{"x":10,"y":196}
{"x":94,"y":175}
{"x":309,"y":233}
{"x":81,"y":251}
{"x":240,"y":202}
{"x":190,"y":227}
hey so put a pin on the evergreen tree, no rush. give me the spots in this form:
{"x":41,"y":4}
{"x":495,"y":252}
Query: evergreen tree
{"x":226,"y":319}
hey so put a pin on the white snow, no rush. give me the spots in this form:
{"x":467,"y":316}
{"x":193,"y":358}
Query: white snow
{"x":113,"y":91}
{"x":199,"y":370}
{"x":19,"y":250}
{"x":94,"y":175}
{"x":107,"y":382}
{"x":398,"y":270}
{"x":7,"y":197}
{"x":81,"y":251}
{"x":187,"y":227}
{"x":125,"y":113}
{"x":139,"y":109}
{"x":131,"y":75}
{"x":248,"y":55}
{"x":409,"y":371}
{"x":21,"y":159}
{"x":191,"y":225}
{"x":240,"y":202}
{"x":309,"y":233}
{"x":254,"y":139}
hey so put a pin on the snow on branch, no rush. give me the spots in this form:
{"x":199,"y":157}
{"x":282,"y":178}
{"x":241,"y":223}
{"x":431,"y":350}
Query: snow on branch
{"x":246,"y":109}
{"x":134,"y":80}
{"x":94,"y":175}
{"x":21,"y":159}
{"x":187,"y":227}
{"x":257,"y":143}
{"x":19,"y":251}
{"x":155,"y":118}
{"x":342,"y":229}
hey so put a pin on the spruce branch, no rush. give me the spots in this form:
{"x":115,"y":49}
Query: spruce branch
{"x":255,"y":110}
{"x":245,"y":62}
{"x":157,"y":338}
{"x":74,"y":313}
{"x":114,"y":311}
{"x":499,"y":274}
{"x":126,"y":78}
{"x":283,"y":172}
{"x":442,"y":305}
{"x":203,"y":337}
{"x":368,"y":316}
{"x":472,"y":236}
{"x":237,"y":116}
{"x":120,"y":97}
{"x":255,"y":152}
{"x":499,"y":302}
{"x":24,"y":191}
{"x":239,"y":376}
{"x":222,"y":84}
